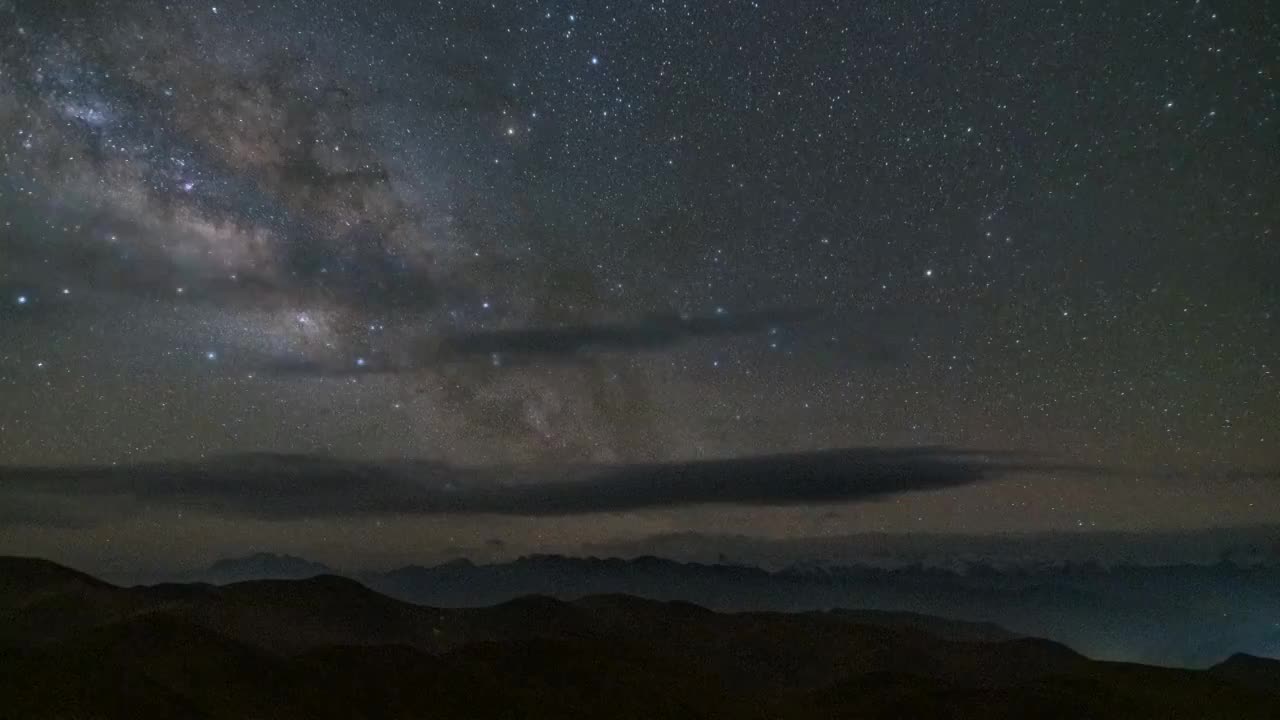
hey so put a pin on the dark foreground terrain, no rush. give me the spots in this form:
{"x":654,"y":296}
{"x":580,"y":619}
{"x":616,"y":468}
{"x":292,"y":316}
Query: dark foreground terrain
{"x":72,"y":646}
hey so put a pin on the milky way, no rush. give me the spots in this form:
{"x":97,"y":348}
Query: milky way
{"x":619,"y":233}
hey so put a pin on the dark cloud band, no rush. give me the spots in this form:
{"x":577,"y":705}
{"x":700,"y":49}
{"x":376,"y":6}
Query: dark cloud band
{"x":280,"y":487}
{"x":562,"y":344}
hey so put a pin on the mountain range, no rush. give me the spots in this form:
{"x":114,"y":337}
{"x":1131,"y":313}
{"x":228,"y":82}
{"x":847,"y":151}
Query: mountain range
{"x":1174,"y":615}
{"x":327,"y":646}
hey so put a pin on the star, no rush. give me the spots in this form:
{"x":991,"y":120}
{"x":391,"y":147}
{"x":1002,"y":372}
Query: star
{"x":358,"y":202}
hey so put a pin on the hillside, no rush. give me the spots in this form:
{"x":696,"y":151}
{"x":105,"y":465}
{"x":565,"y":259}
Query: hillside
{"x":330,"y":647}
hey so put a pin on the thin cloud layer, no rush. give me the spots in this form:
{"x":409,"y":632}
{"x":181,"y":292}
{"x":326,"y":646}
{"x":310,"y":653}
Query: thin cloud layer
{"x":560,"y":344}
{"x":277,"y":487}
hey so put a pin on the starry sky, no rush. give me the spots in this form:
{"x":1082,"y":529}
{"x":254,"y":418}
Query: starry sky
{"x":633,"y":235}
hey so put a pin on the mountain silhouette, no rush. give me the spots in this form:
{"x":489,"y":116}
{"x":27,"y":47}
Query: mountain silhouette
{"x":262,"y":566}
{"x":1249,"y":671}
{"x":331,"y":647}
{"x":1178,"y":615}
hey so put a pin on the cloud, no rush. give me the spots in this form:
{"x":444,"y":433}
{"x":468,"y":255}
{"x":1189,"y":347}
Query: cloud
{"x":653,"y":333}
{"x":284,"y":487}
{"x":561,"y":344}
{"x":1109,"y":547}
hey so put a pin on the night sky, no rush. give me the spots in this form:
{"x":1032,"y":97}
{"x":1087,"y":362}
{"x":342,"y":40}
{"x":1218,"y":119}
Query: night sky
{"x":579,"y":235}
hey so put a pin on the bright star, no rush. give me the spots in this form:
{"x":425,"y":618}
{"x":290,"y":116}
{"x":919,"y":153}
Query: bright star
{"x":22,"y":299}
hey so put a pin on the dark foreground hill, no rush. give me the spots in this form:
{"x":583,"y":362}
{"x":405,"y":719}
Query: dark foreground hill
{"x":72,"y":646}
